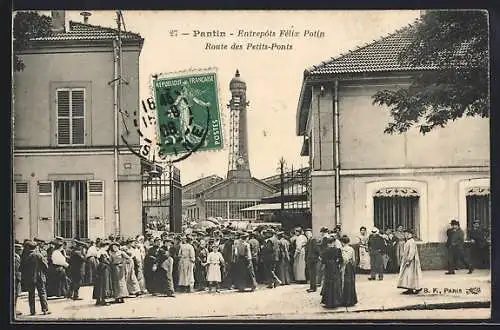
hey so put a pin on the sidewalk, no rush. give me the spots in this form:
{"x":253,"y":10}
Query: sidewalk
{"x":440,"y":292}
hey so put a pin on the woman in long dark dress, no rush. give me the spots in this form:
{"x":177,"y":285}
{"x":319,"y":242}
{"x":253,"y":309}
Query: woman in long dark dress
{"x":103,"y":285}
{"x":331,"y":291}
{"x":391,"y":242}
{"x":349,"y":297}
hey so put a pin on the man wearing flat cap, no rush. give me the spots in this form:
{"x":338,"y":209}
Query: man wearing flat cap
{"x":34,"y":276}
{"x":313,"y":252}
{"x":456,"y":251}
{"x":76,"y":269}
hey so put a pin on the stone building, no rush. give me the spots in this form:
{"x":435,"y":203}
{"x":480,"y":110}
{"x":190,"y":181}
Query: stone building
{"x":67,"y":180}
{"x":364,"y":177}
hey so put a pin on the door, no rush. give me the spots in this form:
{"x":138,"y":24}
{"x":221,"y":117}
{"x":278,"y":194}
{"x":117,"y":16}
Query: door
{"x":71,"y":209}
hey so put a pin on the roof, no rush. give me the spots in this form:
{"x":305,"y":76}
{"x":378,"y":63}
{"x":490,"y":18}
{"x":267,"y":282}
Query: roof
{"x":83,"y":31}
{"x":378,"y":56}
{"x":277,"y":206}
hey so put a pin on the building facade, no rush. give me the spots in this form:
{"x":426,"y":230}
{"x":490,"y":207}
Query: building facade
{"x":65,"y":112}
{"x":364,"y":177}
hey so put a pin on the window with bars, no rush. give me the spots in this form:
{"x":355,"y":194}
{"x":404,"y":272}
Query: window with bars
{"x":70,"y":105}
{"x":478,"y":206}
{"x":396,"y":206}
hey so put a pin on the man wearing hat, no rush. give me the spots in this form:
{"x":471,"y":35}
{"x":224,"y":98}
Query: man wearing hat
{"x":479,"y":245}
{"x":376,"y":248}
{"x":272,"y":257}
{"x":34,"y":270}
{"x":456,"y":250}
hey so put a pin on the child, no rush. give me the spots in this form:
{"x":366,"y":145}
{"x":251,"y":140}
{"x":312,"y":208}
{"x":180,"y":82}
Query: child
{"x":214,"y":262}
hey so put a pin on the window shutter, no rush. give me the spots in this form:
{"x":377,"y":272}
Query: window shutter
{"x":95,"y":204}
{"x":21,"y":211}
{"x":45,"y":204}
{"x":78,"y":116}
{"x":63,"y":117}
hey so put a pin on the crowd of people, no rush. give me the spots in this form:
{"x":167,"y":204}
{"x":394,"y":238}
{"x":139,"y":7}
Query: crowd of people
{"x":214,"y":260}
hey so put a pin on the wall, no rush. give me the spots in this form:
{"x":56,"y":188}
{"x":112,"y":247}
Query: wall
{"x":36,"y":168}
{"x":441,"y":191}
{"x":34,"y":93}
{"x":363,"y":143}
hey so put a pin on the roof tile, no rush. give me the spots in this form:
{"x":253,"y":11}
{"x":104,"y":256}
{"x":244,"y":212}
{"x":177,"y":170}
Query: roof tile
{"x":82,"y":31}
{"x":380,"y":55}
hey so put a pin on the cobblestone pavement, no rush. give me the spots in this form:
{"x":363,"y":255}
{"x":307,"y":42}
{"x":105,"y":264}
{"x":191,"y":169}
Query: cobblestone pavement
{"x":289,"y":301}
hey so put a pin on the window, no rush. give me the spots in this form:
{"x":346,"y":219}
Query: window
{"x":70,"y":104}
{"x":216,"y":209}
{"x":478,"y":206}
{"x":396,"y":206}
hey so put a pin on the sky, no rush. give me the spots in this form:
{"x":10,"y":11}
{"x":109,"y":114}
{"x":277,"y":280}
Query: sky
{"x":273,"y":78}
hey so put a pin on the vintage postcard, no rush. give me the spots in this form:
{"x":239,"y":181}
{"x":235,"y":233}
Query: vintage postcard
{"x":250,"y":165}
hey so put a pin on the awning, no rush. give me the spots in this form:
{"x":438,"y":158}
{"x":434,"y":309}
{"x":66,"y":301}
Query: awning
{"x":295,"y":189}
{"x":277,"y":206}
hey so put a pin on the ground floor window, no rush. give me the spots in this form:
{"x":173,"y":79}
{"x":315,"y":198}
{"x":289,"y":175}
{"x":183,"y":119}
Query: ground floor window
{"x":70,"y":207}
{"x":478,"y":206}
{"x":396,"y":206}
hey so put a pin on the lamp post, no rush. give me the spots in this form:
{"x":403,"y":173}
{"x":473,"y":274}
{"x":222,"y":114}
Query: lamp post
{"x":282,"y":164}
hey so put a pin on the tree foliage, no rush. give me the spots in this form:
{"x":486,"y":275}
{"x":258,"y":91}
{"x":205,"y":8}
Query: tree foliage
{"x":28,"y":25}
{"x":455,"y":44}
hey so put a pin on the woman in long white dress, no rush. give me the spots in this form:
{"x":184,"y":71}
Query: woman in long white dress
{"x":186,"y":264}
{"x":364,"y":256}
{"x":299,"y":260}
{"x":214,"y":261}
{"x":410,"y":273}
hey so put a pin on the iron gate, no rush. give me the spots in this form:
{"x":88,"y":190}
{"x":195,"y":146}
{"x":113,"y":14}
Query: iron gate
{"x":162,"y":198}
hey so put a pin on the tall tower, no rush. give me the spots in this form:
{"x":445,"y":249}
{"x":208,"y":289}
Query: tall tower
{"x":238,"y":131}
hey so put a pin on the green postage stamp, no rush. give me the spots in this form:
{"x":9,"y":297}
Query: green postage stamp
{"x":188,"y":114}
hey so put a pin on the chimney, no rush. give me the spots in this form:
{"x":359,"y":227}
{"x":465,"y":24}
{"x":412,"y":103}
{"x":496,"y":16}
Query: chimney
{"x":86,"y":16}
{"x":58,"y":21}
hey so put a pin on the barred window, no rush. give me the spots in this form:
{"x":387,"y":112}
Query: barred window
{"x":478,"y":206}
{"x":70,"y":104}
{"x":396,"y":206}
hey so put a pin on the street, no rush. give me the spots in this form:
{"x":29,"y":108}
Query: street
{"x":288,"y":302}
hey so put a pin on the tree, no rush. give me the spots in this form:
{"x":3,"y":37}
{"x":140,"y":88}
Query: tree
{"x":28,"y":25}
{"x":455,"y":43}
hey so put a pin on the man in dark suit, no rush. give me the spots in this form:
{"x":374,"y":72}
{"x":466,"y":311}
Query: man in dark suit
{"x":272,"y":259}
{"x":34,"y":276}
{"x":313,"y":252}
{"x":479,"y":245}
{"x":376,"y":247}
{"x":76,"y":269}
{"x":456,"y":250}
